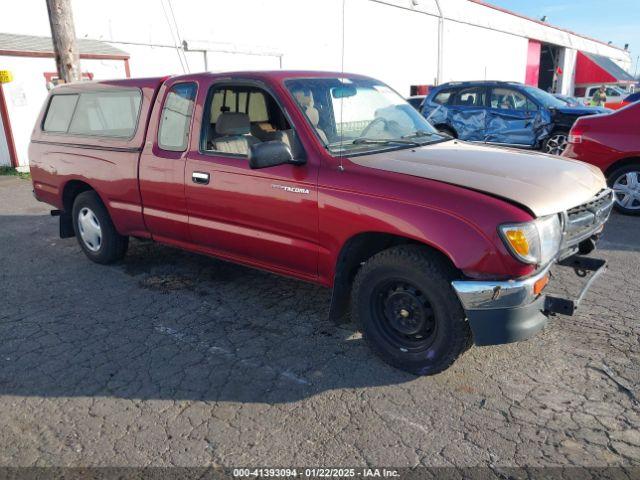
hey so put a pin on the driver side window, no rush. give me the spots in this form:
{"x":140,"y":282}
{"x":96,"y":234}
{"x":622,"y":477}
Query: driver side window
{"x":241,"y":116}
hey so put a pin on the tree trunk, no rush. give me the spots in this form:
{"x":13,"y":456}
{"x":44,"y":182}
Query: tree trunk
{"x":63,"y":34}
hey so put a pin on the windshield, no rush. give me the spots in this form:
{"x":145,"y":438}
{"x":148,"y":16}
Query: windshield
{"x":353,"y":115}
{"x":546,"y":99}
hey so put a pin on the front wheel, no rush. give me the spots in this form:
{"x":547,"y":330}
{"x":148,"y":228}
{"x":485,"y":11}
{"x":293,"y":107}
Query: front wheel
{"x":408,"y":312}
{"x":625,"y":182}
{"x":556,"y":143}
{"x":95,"y":231}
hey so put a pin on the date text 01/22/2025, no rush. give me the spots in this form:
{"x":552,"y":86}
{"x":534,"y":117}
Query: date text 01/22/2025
{"x":315,"y":472}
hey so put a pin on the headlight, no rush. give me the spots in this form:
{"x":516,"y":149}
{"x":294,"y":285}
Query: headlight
{"x":535,"y":242}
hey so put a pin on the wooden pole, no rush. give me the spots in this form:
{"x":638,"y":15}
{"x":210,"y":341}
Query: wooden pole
{"x":63,"y":34}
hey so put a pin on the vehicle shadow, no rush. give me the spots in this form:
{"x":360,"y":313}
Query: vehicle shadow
{"x":165,"y":324}
{"x":621,"y":233}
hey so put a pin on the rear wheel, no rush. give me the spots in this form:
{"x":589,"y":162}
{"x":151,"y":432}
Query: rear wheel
{"x":625,"y":182}
{"x":94,"y":230}
{"x":556,"y":143}
{"x":408,"y":312}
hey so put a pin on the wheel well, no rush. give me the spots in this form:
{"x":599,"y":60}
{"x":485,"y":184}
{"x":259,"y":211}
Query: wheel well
{"x":444,"y":126}
{"x":621,"y":163}
{"x":71,"y":190}
{"x":357,"y":250}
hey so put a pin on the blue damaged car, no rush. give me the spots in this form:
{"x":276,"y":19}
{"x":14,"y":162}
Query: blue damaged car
{"x":503,"y":113}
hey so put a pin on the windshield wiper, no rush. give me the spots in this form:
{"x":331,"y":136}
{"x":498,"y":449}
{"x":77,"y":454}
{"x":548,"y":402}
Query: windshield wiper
{"x":423,"y":133}
{"x":420,"y":133}
{"x":390,"y":141}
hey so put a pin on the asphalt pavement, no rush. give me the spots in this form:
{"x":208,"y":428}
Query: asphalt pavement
{"x":170,"y":358}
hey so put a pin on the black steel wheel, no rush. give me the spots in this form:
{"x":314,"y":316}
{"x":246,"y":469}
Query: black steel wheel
{"x":403,"y":315}
{"x":407,"y":310}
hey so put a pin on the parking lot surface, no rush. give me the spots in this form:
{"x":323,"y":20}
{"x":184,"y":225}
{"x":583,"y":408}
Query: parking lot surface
{"x":170,"y":358}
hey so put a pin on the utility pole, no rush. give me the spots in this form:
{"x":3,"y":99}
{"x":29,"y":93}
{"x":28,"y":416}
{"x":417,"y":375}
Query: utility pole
{"x":63,"y":34}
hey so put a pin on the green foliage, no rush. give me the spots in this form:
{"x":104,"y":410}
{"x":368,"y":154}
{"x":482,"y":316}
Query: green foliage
{"x":10,"y":171}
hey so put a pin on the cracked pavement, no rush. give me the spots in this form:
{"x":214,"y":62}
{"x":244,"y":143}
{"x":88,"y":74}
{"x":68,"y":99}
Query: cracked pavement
{"x":170,"y":358}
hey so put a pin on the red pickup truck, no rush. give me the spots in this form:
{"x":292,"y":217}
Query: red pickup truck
{"x":429,"y":243}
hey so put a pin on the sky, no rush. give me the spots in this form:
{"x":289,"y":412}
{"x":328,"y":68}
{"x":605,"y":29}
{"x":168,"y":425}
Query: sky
{"x":617,"y":21}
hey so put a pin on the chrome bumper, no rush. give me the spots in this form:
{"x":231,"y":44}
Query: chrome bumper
{"x":490,"y":295}
{"x":509,"y":311}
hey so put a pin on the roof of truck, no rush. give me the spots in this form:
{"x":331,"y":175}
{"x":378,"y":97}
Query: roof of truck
{"x":146,"y":82}
{"x":154,"y":82}
{"x":282,"y":74}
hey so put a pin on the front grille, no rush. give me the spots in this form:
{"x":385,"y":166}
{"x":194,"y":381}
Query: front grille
{"x":584,"y":220}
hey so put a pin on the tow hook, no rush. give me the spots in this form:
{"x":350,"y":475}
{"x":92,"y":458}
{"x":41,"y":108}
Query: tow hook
{"x":581,"y":266}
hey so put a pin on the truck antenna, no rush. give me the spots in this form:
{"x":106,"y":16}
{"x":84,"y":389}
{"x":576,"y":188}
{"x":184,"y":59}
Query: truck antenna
{"x":341,"y":166}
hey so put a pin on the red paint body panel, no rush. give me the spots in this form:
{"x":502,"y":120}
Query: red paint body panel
{"x":161,"y":175}
{"x":533,"y":63}
{"x":242,"y":215}
{"x":607,"y":139}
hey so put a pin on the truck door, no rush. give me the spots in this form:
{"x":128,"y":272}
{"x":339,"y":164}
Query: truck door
{"x":266,"y":217}
{"x":162,"y":163}
{"x":511,"y":118}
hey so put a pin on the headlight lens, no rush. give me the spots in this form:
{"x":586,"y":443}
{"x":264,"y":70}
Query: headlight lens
{"x":535,"y":242}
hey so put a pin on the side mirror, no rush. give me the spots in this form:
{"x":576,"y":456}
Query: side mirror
{"x":270,"y":154}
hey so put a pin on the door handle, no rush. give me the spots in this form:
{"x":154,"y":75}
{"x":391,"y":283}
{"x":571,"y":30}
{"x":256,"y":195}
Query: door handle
{"x":200,"y":177}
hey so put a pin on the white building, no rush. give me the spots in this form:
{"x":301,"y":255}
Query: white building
{"x":402,"y":42}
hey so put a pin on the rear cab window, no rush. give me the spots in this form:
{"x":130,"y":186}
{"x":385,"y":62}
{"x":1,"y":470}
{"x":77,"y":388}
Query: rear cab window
{"x":59,"y":113}
{"x":108,"y":113}
{"x":175,"y":120}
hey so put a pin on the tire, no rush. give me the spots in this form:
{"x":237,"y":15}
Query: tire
{"x":556,"y":143}
{"x":409,"y":315}
{"x":94,"y":230}
{"x":627,"y":198}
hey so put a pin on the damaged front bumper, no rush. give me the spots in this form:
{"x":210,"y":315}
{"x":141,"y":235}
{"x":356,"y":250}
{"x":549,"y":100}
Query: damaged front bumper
{"x":509,"y":311}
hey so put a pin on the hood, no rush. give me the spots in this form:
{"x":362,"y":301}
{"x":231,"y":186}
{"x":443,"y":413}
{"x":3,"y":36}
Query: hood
{"x":544,"y":184}
{"x":578,"y":111}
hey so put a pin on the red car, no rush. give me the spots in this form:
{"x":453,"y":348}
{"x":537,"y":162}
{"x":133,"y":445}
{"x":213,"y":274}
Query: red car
{"x":612,"y":143}
{"x":431,"y":244}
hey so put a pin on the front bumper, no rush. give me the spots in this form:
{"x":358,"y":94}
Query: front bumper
{"x":509,"y":311}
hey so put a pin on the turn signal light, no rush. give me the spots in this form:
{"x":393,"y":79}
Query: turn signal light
{"x":540,"y":284}
{"x":518,"y":241}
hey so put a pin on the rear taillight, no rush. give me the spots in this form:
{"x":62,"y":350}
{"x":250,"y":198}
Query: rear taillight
{"x":573,"y":138}
{"x":575,"y":135}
